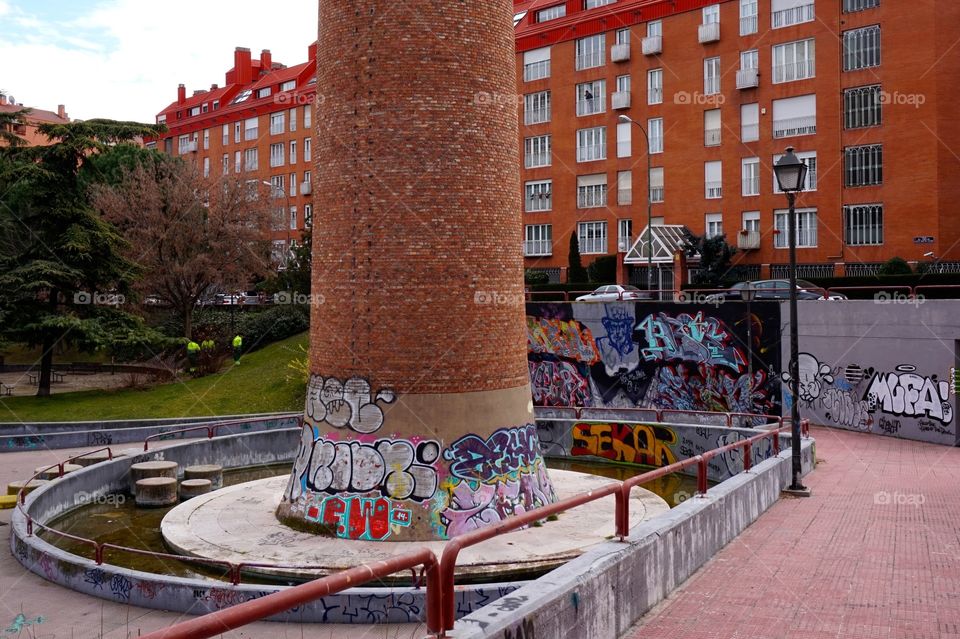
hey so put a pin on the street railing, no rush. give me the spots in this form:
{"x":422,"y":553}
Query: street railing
{"x":210,"y":428}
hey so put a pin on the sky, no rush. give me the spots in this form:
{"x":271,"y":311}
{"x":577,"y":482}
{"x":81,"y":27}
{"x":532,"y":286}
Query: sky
{"x":123,"y":59}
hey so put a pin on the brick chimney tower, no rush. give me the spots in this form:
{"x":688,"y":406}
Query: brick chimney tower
{"x":419,"y":419}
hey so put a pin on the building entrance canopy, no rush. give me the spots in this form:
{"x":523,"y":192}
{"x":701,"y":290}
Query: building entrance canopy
{"x":666,"y":241}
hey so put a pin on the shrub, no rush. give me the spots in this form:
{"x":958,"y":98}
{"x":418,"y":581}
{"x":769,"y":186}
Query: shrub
{"x":603,"y":270}
{"x":895,"y":266}
{"x":532,"y":277}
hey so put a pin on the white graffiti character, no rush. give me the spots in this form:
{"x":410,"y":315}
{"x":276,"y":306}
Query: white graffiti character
{"x":346,"y":404}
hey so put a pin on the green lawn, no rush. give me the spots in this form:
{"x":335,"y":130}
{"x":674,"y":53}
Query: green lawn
{"x":262,"y":383}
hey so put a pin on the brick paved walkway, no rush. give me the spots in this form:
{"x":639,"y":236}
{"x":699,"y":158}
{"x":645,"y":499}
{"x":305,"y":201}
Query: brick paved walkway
{"x":874,"y":553}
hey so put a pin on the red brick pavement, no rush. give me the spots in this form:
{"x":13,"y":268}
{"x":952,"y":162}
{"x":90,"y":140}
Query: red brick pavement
{"x":875,"y":553}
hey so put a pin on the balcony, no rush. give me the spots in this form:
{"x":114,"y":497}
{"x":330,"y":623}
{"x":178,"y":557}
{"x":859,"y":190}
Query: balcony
{"x":748,"y":78}
{"x":536,"y":248}
{"x":620,"y":100}
{"x":714,"y":190}
{"x":306,"y":188}
{"x":652,"y":45}
{"x":790,"y":127}
{"x":620,"y":52}
{"x":536,"y":71}
{"x":748,"y":240}
{"x":748,"y":25}
{"x":709,"y":32}
{"x":188,"y":147}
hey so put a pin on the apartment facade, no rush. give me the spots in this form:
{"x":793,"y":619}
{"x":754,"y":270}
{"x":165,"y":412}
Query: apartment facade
{"x":864,"y":90}
{"x":28,"y":130}
{"x":258,"y":127}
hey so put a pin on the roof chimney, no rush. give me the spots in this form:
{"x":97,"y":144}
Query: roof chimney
{"x":214,"y":87}
{"x":181,"y":94}
{"x":3,"y":99}
{"x":62,"y":111}
{"x":266,"y":61}
{"x":312,"y":52}
{"x":242,"y":66}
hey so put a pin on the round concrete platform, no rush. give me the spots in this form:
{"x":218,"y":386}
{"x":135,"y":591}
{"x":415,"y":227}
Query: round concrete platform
{"x":237,"y":524}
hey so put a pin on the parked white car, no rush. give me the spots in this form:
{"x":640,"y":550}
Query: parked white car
{"x":614,"y":293}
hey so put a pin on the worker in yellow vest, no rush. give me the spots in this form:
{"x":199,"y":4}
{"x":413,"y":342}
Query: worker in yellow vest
{"x":237,"y":346}
{"x":193,"y":353}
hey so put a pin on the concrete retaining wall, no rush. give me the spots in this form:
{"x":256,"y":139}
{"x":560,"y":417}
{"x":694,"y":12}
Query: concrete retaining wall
{"x":55,"y":435}
{"x":605,"y":591}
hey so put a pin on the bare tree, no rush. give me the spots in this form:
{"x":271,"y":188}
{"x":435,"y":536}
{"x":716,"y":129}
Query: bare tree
{"x":189,"y":233}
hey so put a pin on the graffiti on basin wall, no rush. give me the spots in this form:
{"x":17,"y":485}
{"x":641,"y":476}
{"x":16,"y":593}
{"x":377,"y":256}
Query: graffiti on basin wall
{"x":631,"y":443}
{"x":397,"y":468}
{"x":654,"y":355}
{"x":343,"y":404}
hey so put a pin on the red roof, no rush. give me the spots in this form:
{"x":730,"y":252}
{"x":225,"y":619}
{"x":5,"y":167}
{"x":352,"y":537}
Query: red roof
{"x":35,"y":115}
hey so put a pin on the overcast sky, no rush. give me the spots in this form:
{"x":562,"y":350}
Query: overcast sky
{"x":123,"y":59}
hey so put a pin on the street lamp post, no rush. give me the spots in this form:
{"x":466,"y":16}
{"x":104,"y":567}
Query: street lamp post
{"x":748,"y":293}
{"x":791,"y":175}
{"x":626,"y":118}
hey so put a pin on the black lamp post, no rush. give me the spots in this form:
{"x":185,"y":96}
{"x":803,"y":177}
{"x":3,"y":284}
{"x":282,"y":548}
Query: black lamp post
{"x":748,"y":293}
{"x":626,"y":118}
{"x":791,"y":175}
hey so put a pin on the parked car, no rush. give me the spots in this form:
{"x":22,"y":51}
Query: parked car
{"x":775,"y":290}
{"x":615,"y":292}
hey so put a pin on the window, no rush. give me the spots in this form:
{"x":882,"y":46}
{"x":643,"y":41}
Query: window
{"x":536,"y":64}
{"x":183,"y":144}
{"x":552,"y":13}
{"x":250,"y":160}
{"x":862,"y":107}
{"x":593,"y":4}
{"x":307,"y":215}
{"x":277,"y":155}
{"x":226,"y":135}
{"x":806,"y":228}
{"x":264,"y":92}
{"x":293,"y":119}
{"x":591,"y":97}
{"x":655,"y":29}
{"x":206,"y":167}
{"x":293,"y":152}
{"x":237,"y":161}
{"x":656,"y":184}
{"x":795,"y":116}
{"x":810,"y":159}
{"x":536,"y":151}
{"x":714,"y":224}
{"x":624,"y":139}
{"x":592,"y":236}
{"x":539,"y":196}
{"x":293,"y":185}
{"x":863,"y":165}
{"x":591,"y":191}
{"x":750,"y":59}
{"x":308,"y":178}
{"x":751,"y":221}
{"x":625,"y":188}
{"x":293,"y":218}
{"x":623,"y":84}
{"x":655,"y":86}
{"x":750,"y":170}
{"x":624,"y":235}
{"x":277,"y":186}
{"x":243,"y":96}
{"x":277,"y":123}
{"x":307,"y":117}
{"x":851,"y":6}
{"x":748,"y":17}
{"x":655,"y":131}
{"x":226,"y":164}
{"x":794,"y":61}
{"x":784,"y":13}
{"x":536,"y":107}
{"x":591,"y":52}
{"x":538,"y":240}
{"x":307,"y":149}
{"x":251,"y":129}
{"x":195,"y":111}
{"x":713,"y":180}
{"x":861,"y":48}
{"x":592,"y":144}
{"x":206,"y":139}
{"x":749,"y":122}
{"x":711,"y":14}
{"x":236,"y":132}
{"x":711,"y":127}
{"x":623,"y":36}
{"x":711,"y":76}
{"x":863,"y":224}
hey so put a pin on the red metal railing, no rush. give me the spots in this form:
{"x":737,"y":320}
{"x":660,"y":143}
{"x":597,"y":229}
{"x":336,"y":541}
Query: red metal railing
{"x":210,"y":427}
{"x":213,"y":624}
{"x":660,"y":413}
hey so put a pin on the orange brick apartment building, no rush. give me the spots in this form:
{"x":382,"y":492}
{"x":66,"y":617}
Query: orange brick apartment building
{"x":866,"y":90}
{"x":36,"y":117}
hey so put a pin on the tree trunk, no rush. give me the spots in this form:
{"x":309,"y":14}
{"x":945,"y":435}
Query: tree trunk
{"x":46,"y":358}
{"x":188,"y":322}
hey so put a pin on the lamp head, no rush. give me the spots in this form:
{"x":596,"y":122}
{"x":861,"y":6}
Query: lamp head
{"x":791,"y":173}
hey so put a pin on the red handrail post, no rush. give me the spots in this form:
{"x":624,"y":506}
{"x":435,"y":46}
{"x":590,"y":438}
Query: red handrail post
{"x":98,"y":554}
{"x":623,"y":511}
{"x":747,"y":460}
{"x":701,"y":475}
{"x":29,"y":526}
{"x":776,"y":441}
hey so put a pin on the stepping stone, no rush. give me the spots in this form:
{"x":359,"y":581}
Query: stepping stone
{"x":8,"y":501}
{"x":28,"y":486}
{"x":145,"y":470}
{"x":92,"y":458}
{"x":155,"y":492}
{"x":54,"y":473}
{"x":213,"y":472}
{"x":190,"y":488}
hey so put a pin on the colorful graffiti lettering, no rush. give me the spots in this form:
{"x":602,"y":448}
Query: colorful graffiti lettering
{"x":906,"y":394}
{"x":348,"y":403}
{"x":20,"y":622}
{"x":501,"y":455}
{"x":567,"y":339}
{"x":707,"y":388}
{"x":558,"y":384}
{"x":397,"y":468}
{"x":617,"y":349}
{"x":689,"y":338}
{"x":631,"y":443}
{"x":358,"y":517}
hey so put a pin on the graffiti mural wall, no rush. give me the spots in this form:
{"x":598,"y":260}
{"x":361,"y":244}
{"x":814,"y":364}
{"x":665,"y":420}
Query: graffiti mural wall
{"x":655,"y":355}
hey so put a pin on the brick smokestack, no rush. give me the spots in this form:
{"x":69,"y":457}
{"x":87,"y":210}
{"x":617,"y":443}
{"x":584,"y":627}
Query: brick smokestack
{"x":62,"y":111}
{"x":419,"y":406}
{"x":181,"y":94}
{"x":242,"y":66}
{"x":266,"y":61}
